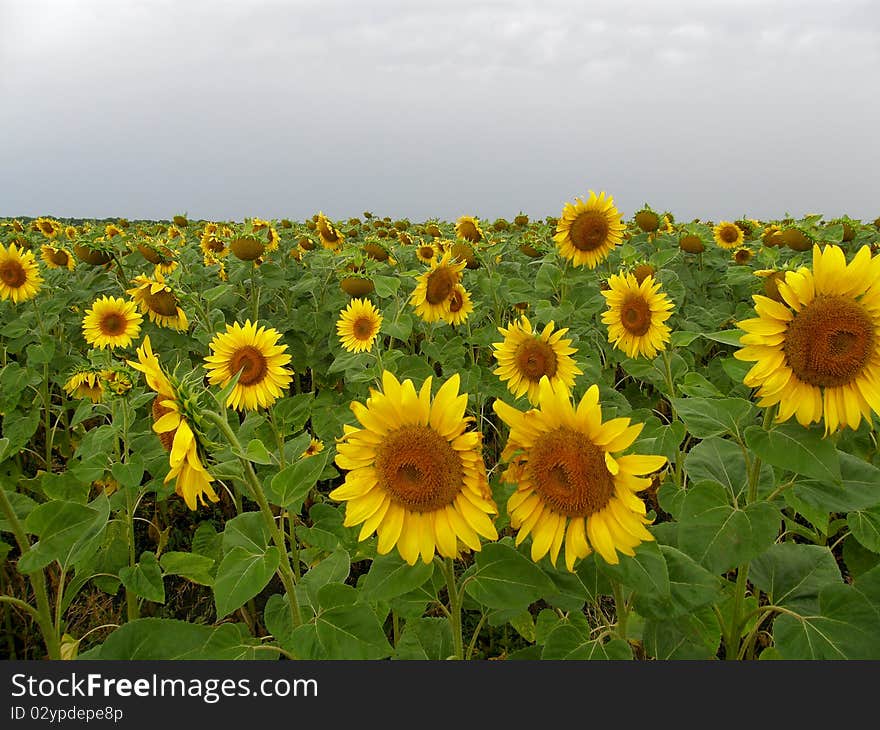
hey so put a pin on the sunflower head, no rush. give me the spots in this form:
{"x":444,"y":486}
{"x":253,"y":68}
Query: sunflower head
{"x":647,"y":219}
{"x":86,"y":382}
{"x":460,"y":306}
{"x":431,"y":297}
{"x":643,"y":271}
{"x":158,"y":301}
{"x":797,"y":238}
{"x":316,"y":446}
{"x":433,"y":230}
{"x":358,"y":325}
{"x":20,"y":278}
{"x":94,"y":253}
{"x":415,"y":474}
{"x":588,"y":230}
{"x":247,"y":247}
{"x":521,"y":220}
{"x":330,"y":237}
{"x":181,"y":221}
{"x":728,"y":235}
{"x":771,"y":236}
{"x":49,"y":227}
{"x":468,"y":228}
{"x":691,"y":243}
{"x":464,"y":251}
{"x":742,"y":255}
{"x":57,"y":257}
{"x":357,"y":284}
{"x":573,"y":487}
{"x":111,"y":322}
{"x":636,"y":315}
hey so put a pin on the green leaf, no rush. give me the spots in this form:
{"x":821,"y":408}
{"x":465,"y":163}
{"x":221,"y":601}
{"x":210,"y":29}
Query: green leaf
{"x":727,"y":337}
{"x":400,"y":329}
{"x":794,"y":448}
{"x":425,"y":638}
{"x":858,"y":490}
{"x":208,"y":542}
{"x":66,"y":531}
{"x":130,"y":474}
{"x":720,"y":536}
{"x":242,"y":575}
{"x":191,"y":566}
{"x":257,"y":452}
{"x":164,"y":638}
{"x":865,"y":527}
{"x":646,"y":573}
{"x":391,"y":576}
{"x":690,"y":586}
{"x":291,"y":485}
{"x":569,"y":642}
{"x":705,"y":417}
{"x":277,"y":618}
{"x":352,"y":632}
{"x":248,"y":530}
{"x":335,"y":568}
{"x":22,"y":506}
{"x":334,"y":595}
{"x":385,"y":285}
{"x":692,"y":636}
{"x":793,"y":575}
{"x":504,"y":578}
{"x":145,"y":578}
{"x":722,"y":461}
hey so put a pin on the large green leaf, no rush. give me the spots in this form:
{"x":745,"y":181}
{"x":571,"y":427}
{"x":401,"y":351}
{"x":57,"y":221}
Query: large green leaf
{"x":352,"y":632}
{"x":689,"y":587}
{"x":705,"y":417}
{"x":793,"y":575}
{"x":694,"y":635}
{"x":720,"y":536}
{"x":291,"y":485}
{"x":163,"y":638}
{"x":792,"y":447}
{"x":248,"y":531}
{"x":241,"y":575}
{"x":569,"y":642}
{"x":722,"y":461}
{"x":865,"y":527}
{"x":859,"y":488}
{"x":505,"y":578}
{"x":144,"y":578}
{"x":391,"y":576}
{"x":425,"y":638}
{"x":191,"y":566}
{"x":646,"y":573}
{"x":332,"y":569}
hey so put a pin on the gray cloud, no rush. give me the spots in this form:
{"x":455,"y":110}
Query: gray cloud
{"x":232,"y":109}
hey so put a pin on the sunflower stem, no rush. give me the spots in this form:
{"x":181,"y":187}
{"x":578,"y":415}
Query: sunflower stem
{"x":285,"y":570}
{"x":255,"y":293}
{"x":454,"y":607}
{"x":621,"y":608}
{"x":48,"y":433}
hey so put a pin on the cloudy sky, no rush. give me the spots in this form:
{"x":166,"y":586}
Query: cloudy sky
{"x":226,"y":109}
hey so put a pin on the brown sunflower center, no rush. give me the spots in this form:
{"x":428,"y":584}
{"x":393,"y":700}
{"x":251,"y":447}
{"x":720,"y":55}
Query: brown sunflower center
{"x":456,"y":301}
{"x":426,"y":252}
{"x":468,"y":231}
{"x":441,"y":282}
{"x":647,"y":221}
{"x":363,"y":328}
{"x":251,"y":362}
{"x":58,"y":256}
{"x":159,"y":410}
{"x":535,"y":358}
{"x":419,"y":468}
{"x":113,"y":324}
{"x":163,"y":303}
{"x":569,"y":472}
{"x":829,"y":342}
{"x":635,"y":315}
{"x":589,"y":231}
{"x":729,"y":234}
{"x":12,"y":274}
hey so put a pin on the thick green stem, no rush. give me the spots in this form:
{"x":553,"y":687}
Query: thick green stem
{"x":38,"y":581}
{"x":621,"y":607}
{"x":285,"y":570}
{"x":454,"y":607}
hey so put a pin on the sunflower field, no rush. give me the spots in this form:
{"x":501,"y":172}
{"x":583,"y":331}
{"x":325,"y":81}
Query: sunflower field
{"x":588,"y":436}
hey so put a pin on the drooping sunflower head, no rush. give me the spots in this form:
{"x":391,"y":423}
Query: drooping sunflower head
{"x":464,"y":251}
{"x":647,"y":219}
{"x":797,"y":239}
{"x":49,"y":227}
{"x":771,"y":236}
{"x":691,"y":243}
{"x":330,"y":237}
{"x":742,"y":255}
{"x":468,"y":228}
{"x":521,"y":220}
{"x":525,"y":356}
{"x":636,"y":315}
{"x":357,"y":284}
{"x":572,"y":486}
{"x":415,"y":474}
{"x":589,"y":230}
{"x":431,"y":297}
{"x":253,"y":352}
{"x":817,"y":352}
{"x":358,"y":325}
{"x":57,"y":257}
{"x":86,"y":382}
{"x":111,"y":230}
{"x":20,"y":278}
{"x":377,"y":251}
{"x":111,"y":322}
{"x":158,"y":301}
{"x":728,"y":235}
{"x":247,"y":247}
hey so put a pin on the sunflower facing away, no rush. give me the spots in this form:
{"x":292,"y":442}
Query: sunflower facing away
{"x":20,"y":278}
{"x":86,"y":383}
{"x":330,"y":237}
{"x":57,"y":257}
{"x":49,"y":227}
{"x":173,"y":428}
{"x":572,"y":488}
{"x":111,"y":322}
{"x":158,"y":301}
{"x":588,"y":230}
{"x":415,"y":475}
{"x":728,"y":235}
{"x":525,"y":356}
{"x":817,"y":352}
{"x":431,"y":297}
{"x":636,"y":315}
{"x":256,"y":353}
{"x":358,"y":325}
{"x":468,"y":228}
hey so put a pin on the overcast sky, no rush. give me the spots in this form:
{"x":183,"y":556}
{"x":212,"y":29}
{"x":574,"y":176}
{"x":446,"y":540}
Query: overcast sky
{"x":438,"y":108}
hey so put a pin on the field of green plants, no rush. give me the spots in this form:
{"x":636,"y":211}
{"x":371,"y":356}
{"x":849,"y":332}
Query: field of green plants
{"x":585,"y":436}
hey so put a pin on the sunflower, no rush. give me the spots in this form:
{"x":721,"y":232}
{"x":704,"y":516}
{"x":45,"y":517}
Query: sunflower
{"x":358,"y":325}
{"x":742,"y":255}
{"x":157,"y":300}
{"x":111,"y":231}
{"x":330,"y":237}
{"x":460,"y":305}
{"x":57,"y":257}
{"x":431,"y":297}
{"x":49,"y":227}
{"x":588,"y":230}
{"x":468,"y":228}
{"x":247,"y":247}
{"x":426,"y":252}
{"x":86,"y":383}
{"x":173,"y":427}
{"x":415,"y":475}
{"x":636,"y":315}
{"x":817,"y":353}
{"x":256,"y":354}
{"x":691,"y":243}
{"x":111,"y":322}
{"x":571,"y":486}
{"x":316,"y":446}
{"x":728,"y":235}
{"x":647,"y":219}
{"x":524,"y":357}
{"x":20,"y":278}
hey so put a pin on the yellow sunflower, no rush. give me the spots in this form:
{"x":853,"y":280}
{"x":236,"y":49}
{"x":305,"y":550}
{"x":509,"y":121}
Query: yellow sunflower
{"x":255,"y":353}
{"x":572,"y":486}
{"x":57,"y":257}
{"x":468,"y":228}
{"x":111,"y":231}
{"x":728,"y":235}
{"x":742,"y":255}
{"x":817,"y":352}
{"x":111,"y":322}
{"x":86,"y":383}
{"x":636,"y":315}
{"x":415,"y":475}
{"x":49,"y":227}
{"x":173,"y":428}
{"x":588,"y":230}
{"x":460,"y":306}
{"x":330,"y":237}
{"x":525,"y":356}
{"x":358,"y":325}
{"x":158,"y":301}
{"x":426,"y":252}
{"x":431,"y":297}
{"x":20,"y":278}
{"x":316,"y":446}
